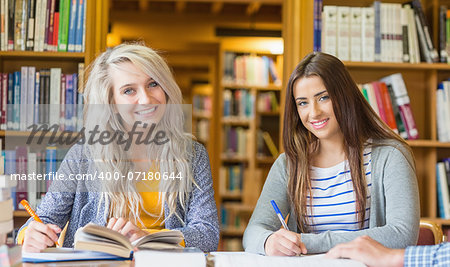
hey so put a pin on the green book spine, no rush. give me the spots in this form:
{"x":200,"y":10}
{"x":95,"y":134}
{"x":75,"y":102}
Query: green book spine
{"x":64,"y":11}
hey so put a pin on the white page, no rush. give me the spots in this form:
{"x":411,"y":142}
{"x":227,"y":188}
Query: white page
{"x":186,"y":257}
{"x":244,"y":259}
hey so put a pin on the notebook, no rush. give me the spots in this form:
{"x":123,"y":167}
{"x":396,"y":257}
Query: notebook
{"x":66,"y":254}
{"x":99,"y":238}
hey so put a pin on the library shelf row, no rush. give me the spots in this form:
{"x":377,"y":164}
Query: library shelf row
{"x":35,"y":55}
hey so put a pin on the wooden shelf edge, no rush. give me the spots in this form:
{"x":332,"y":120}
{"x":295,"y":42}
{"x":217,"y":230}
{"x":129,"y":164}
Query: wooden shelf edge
{"x":232,"y":231}
{"x":270,"y":87}
{"x":269,"y":113}
{"x":231,"y":195}
{"x":227,"y":158}
{"x":238,"y":207}
{"x":21,"y":213}
{"x":428,"y":143}
{"x":393,"y":65}
{"x":201,"y":115}
{"x":32,"y":54}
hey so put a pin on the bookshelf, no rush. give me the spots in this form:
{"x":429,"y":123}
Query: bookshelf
{"x":248,"y":107}
{"x":95,"y":41}
{"x":202,"y":104}
{"x":421,"y":80}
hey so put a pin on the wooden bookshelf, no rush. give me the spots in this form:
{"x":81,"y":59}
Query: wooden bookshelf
{"x":421,"y":81}
{"x":238,"y":205}
{"x":31,"y":54}
{"x":95,"y":42}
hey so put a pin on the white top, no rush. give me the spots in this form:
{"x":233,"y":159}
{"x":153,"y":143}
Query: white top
{"x":334,"y":201}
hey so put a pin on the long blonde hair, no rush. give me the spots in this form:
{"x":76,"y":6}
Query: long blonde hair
{"x":174,"y":156}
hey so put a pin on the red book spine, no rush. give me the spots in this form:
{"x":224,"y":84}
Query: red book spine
{"x":51,"y":25}
{"x":56,"y":32}
{"x":379,"y":98}
{"x":388,"y":107}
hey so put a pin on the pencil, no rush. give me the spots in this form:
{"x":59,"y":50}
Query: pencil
{"x":33,"y":214}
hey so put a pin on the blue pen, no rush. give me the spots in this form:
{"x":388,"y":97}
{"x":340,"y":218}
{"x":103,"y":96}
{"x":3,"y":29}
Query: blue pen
{"x":280,"y":216}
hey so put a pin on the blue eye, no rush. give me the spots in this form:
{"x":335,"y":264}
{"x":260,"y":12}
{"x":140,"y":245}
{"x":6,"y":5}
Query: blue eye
{"x":301,"y":103}
{"x":128,"y":91}
{"x":325,"y":97}
{"x":153,"y":84}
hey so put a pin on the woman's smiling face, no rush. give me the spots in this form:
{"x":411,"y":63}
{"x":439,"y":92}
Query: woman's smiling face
{"x":137,"y":96}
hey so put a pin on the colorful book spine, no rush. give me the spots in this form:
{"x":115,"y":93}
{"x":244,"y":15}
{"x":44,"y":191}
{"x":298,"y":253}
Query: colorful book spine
{"x":403,"y":102}
{"x":4,"y":101}
{"x":72,"y":26}
{"x":80,"y":26}
{"x":31,"y":23}
{"x":21,"y":169}
{"x":64,"y":11}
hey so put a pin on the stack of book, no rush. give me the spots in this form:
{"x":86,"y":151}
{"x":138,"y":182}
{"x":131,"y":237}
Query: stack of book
{"x":389,"y":99}
{"x":386,"y":32}
{"x":6,"y":203}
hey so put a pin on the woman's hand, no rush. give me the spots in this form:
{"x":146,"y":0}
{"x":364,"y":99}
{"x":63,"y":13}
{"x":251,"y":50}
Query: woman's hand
{"x":126,"y":228}
{"x":284,"y":243}
{"x":39,"y":236}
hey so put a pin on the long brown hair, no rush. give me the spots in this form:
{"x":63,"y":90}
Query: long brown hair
{"x":357,"y":121}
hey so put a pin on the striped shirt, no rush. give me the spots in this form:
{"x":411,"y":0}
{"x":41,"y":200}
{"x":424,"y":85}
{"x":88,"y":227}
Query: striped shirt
{"x":334,"y":201}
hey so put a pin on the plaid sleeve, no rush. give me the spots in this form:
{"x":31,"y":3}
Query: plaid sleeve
{"x":438,"y":255}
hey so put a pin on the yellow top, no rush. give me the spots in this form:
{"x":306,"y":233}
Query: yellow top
{"x":149,"y":191}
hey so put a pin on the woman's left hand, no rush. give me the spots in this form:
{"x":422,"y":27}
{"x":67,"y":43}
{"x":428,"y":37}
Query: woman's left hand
{"x":126,"y":228}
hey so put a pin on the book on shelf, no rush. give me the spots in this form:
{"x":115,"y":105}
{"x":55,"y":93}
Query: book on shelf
{"x":443,"y":56}
{"x":443,"y":111}
{"x":386,"y":32}
{"x":317,"y":24}
{"x":101,"y":239}
{"x":249,"y":70}
{"x":343,"y":33}
{"x":43,"y":25}
{"x":400,"y":97}
{"x":231,"y":178}
{"x":329,"y":30}
{"x":267,"y":102}
{"x":424,"y":30}
{"x":355,"y":33}
{"x":265,"y":137}
{"x":367,"y":34}
{"x":27,"y":95}
{"x":442,"y":191}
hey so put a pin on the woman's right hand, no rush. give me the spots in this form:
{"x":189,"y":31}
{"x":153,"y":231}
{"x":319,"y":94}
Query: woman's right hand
{"x":39,"y":236}
{"x":284,"y":243}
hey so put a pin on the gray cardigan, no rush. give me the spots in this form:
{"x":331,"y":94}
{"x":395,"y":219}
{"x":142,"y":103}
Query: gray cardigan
{"x":394,"y":210}
{"x":73,"y":201}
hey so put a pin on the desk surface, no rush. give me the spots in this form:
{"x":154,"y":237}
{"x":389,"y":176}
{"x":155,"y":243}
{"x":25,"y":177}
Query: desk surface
{"x":81,"y":263}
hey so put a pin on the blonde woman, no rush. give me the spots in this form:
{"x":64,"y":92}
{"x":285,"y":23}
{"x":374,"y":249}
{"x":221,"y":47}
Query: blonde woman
{"x":150,"y":174}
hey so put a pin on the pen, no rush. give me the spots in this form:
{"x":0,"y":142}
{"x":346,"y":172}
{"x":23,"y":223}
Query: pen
{"x":32,"y":213}
{"x":280,"y":216}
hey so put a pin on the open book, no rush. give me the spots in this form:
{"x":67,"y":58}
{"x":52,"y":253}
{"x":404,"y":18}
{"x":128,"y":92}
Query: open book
{"x":99,"y":238}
